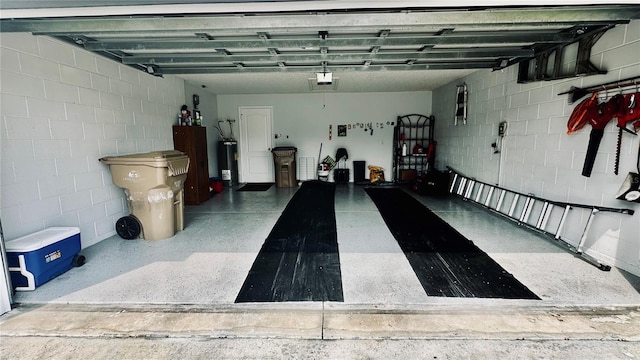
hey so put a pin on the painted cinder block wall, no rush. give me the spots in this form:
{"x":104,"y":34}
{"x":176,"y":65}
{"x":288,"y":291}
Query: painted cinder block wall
{"x":62,"y":108}
{"x":538,"y":156}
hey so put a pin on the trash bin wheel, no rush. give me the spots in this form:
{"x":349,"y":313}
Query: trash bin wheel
{"x":78,"y":260}
{"x":128,"y":227}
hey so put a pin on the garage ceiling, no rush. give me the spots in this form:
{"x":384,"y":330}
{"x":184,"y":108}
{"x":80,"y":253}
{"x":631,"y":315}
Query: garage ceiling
{"x":280,"y":50}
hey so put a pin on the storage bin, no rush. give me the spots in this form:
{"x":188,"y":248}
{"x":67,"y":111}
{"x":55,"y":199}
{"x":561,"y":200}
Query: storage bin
{"x":341,"y":176}
{"x":154,"y":188}
{"x":39,"y":257}
{"x":284,"y":160}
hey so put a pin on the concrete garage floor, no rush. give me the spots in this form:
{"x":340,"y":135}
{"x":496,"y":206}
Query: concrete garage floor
{"x":175,"y":297}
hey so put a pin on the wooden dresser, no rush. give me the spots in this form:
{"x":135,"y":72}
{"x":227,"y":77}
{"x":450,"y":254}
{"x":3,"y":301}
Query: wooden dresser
{"x":192,"y":140}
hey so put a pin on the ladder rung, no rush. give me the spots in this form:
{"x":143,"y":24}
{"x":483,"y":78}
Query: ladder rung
{"x":542,"y":215}
{"x":546,"y":216}
{"x":453,"y":183}
{"x":470,"y":186}
{"x":526,"y":211}
{"x":489,"y":195}
{"x":480,"y":188}
{"x":514,"y":202}
{"x":562,"y":220}
{"x":593,"y":213}
{"x":500,"y":200}
{"x":463,"y":183}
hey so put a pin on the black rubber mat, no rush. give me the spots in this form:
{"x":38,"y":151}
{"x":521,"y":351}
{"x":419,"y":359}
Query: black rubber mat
{"x":446,"y":263}
{"x":299,"y":260}
{"x":255,"y":187}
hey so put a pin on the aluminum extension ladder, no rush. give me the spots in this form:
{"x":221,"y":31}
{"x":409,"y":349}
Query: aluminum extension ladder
{"x":535,"y":213}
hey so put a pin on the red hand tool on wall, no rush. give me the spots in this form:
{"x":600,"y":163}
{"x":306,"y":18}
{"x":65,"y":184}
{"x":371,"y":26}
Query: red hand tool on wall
{"x":629,"y":113}
{"x":578,"y":118}
{"x":598,"y":117}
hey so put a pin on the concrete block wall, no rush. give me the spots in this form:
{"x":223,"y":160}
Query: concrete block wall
{"x":537,"y":156}
{"x":62,"y":108}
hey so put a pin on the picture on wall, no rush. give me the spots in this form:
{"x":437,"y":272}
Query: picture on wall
{"x":342,"y":130}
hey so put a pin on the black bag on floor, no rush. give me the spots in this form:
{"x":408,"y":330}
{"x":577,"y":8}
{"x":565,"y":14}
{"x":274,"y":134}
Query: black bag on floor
{"x":432,"y":183}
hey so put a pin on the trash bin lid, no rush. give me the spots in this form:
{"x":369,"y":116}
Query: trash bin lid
{"x":153,"y":159}
{"x":284,"y":150}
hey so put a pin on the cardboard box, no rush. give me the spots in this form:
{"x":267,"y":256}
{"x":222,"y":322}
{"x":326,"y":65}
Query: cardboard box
{"x":39,"y":257}
{"x":408,"y":174}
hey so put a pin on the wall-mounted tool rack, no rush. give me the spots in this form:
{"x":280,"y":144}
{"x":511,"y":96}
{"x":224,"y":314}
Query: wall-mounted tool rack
{"x":631,"y":88}
{"x":623,"y":85}
{"x":541,"y":215}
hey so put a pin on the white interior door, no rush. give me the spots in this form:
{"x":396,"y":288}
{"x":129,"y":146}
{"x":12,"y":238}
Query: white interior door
{"x":256,"y":132}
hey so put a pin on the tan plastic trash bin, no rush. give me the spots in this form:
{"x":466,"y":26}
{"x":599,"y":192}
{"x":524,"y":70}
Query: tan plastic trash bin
{"x":153,"y":184}
{"x":284,"y":161}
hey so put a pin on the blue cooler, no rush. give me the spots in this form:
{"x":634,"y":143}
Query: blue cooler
{"x":39,"y":257}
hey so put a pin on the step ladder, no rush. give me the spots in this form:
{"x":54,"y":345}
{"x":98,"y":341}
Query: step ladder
{"x":543,"y":216}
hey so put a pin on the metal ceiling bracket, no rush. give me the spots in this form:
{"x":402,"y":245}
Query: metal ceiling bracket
{"x":542,"y":68}
{"x":584,"y":66}
{"x":204,"y":36}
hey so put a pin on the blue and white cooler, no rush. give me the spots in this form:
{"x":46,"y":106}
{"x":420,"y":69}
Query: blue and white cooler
{"x":39,"y":257}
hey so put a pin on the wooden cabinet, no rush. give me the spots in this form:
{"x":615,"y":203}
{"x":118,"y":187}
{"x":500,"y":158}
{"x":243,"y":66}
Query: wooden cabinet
{"x":192,"y":140}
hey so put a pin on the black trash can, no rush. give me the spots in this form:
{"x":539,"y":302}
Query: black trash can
{"x":284,"y":161}
{"x":359,"y":172}
{"x":228,"y":162}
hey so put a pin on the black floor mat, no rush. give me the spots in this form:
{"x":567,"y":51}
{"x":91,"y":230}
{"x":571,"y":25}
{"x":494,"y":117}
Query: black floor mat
{"x":299,"y":260}
{"x":255,"y":187}
{"x":446,"y":263}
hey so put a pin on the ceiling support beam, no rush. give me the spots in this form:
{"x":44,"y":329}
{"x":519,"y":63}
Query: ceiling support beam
{"x":433,"y":54}
{"x":503,"y":38}
{"x":318,"y":68}
{"x":294,"y":22}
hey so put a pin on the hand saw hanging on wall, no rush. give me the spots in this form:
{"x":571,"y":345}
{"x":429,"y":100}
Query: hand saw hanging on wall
{"x":630,"y":113}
